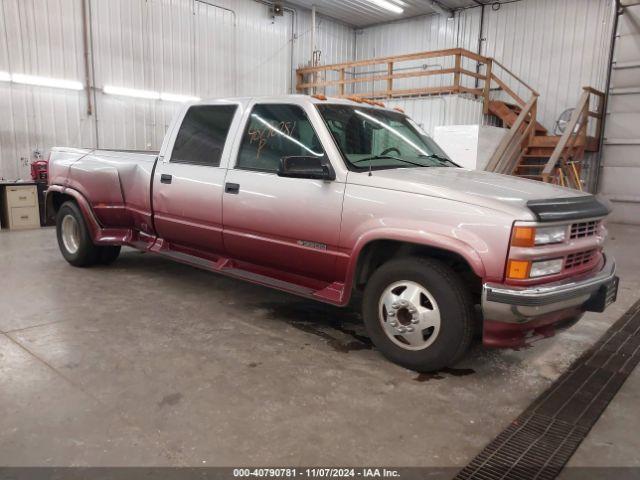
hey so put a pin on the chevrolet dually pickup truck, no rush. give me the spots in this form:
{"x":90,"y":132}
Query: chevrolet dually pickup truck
{"x":327,"y":198}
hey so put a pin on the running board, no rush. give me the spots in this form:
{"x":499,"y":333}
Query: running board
{"x":268,"y":281}
{"x":225,"y":266}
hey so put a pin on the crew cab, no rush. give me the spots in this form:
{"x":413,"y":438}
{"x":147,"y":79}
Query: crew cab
{"x":332,"y":198}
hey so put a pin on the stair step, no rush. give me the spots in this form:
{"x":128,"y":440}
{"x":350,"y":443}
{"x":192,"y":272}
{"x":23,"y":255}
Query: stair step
{"x":547,"y":141}
{"x":508,"y":113}
{"x":528,"y":176}
{"x":528,"y":165}
{"x":533,"y":155}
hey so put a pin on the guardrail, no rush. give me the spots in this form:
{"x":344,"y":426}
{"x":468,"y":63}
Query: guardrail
{"x":312,"y":79}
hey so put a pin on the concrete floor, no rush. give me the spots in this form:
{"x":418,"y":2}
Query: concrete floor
{"x":149,"y":362}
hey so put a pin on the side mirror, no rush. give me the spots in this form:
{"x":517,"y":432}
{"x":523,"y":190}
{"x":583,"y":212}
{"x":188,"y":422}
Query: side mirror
{"x":306,"y":167}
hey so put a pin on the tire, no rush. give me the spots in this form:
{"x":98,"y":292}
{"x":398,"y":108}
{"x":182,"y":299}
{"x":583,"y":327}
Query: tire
{"x":107,"y":255}
{"x":73,"y":237}
{"x":418,"y":313}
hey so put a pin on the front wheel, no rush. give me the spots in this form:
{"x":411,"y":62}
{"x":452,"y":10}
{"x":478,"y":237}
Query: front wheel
{"x":418,"y":313}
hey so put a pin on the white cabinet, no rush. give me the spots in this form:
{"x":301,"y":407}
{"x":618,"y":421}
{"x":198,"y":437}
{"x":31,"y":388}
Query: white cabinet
{"x":20,"y":207}
{"x":470,"y":146}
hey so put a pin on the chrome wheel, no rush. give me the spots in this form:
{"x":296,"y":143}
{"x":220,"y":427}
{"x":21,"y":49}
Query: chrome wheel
{"x":409,"y":315}
{"x":70,"y":232}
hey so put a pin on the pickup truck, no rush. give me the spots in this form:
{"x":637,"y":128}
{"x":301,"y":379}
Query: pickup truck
{"x":334,"y":199}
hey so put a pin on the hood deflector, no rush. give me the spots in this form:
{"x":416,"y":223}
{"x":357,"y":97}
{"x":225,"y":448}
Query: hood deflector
{"x":571,"y":208}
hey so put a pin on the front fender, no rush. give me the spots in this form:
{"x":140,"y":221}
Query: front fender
{"x":422,"y":238}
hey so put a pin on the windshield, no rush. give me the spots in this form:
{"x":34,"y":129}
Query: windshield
{"x":380,"y":139}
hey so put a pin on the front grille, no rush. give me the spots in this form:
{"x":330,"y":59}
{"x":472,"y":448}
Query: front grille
{"x":578,"y":259}
{"x":584,"y":229}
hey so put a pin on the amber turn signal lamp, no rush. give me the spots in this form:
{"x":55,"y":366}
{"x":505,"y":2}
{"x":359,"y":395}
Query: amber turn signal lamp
{"x":518,"y":269}
{"x":523,"y":237}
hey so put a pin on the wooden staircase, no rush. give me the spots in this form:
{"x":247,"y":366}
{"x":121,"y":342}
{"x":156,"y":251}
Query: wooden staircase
{"x":540,"y":156}
{"x":527,"y":150}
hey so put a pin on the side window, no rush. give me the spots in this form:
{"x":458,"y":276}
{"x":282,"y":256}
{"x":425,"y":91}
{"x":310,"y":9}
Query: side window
{"x":202,"y":135}
{"x":275,"y":131}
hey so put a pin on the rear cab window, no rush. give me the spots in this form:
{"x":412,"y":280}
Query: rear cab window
{"x":202,"y":135}
{"x":274,"y":131}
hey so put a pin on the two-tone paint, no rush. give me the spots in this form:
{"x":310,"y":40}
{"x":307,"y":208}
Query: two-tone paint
{"x":304,"y":236}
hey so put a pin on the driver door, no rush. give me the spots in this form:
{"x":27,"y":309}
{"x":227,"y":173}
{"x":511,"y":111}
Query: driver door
{"x":289,"y":224}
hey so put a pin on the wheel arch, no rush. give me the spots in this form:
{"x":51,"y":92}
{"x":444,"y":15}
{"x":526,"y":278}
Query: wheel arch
{"x":374,"y":251}
{"x":57,"y":196}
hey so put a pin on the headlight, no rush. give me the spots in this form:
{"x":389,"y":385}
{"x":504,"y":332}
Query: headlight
{"x":523,"y":269}
{"x":545,"y":267}
{"x":546,"y":235}
{"x":533,"y":236}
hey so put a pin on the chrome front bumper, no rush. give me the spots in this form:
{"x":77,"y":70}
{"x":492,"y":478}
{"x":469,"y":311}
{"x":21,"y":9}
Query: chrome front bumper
{"x":516,"y":305}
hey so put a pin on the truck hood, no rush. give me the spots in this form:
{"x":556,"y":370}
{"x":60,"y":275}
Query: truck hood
{"x":504,"y":193}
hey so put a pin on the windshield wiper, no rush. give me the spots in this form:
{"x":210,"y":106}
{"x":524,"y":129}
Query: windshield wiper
{"x":387,"y":157}
{"x":442,"y":160}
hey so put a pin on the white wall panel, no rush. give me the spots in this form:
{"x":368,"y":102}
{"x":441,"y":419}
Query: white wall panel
{"x":234,"y":47}
{"x":431,"y":112}
{"x":620,"y":169}
{"x":44,"y":39}
{"x":336,"y":41}
{"x":205,"y":48}
{"x":555,"y":46}
{"x":425,"y":33}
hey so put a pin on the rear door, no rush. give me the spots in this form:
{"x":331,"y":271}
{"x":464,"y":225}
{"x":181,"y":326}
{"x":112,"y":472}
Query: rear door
{"x":290,"y":224}
{"x":188,"y":181}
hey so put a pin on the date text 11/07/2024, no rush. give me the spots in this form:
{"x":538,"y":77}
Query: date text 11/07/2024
{"x":371,"y":472}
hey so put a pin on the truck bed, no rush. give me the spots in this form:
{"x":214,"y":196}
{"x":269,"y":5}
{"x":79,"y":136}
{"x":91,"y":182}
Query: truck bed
{"x":116,"y":183}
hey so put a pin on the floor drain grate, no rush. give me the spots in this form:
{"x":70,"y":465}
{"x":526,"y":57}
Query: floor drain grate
{"x":542,"y":439}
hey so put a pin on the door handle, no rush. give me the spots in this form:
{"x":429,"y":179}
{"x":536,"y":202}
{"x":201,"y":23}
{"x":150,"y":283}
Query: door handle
{"x":232,"y":188}
{"x":164,"y":178}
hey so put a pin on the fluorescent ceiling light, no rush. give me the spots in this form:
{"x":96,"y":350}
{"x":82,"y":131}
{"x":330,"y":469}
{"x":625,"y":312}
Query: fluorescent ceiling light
{"x":5,"y":77}
{"x":131,"y":92}
{"x":392,"y":7}
{"x":148,"y":94}
{"x":46,"y":81}
{"x":173,"y":97}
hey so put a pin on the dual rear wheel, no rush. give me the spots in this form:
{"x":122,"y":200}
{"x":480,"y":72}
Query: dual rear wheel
{"x":75,"y":242}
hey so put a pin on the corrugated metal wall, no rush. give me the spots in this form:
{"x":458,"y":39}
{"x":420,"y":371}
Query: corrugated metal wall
{"x":206,"y":48}
{"x":234,"y":47}
{"x":556,"y":46}
{"x":40,"y":38}
{"x":621,"y":155}
{"x":431,"y":112}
